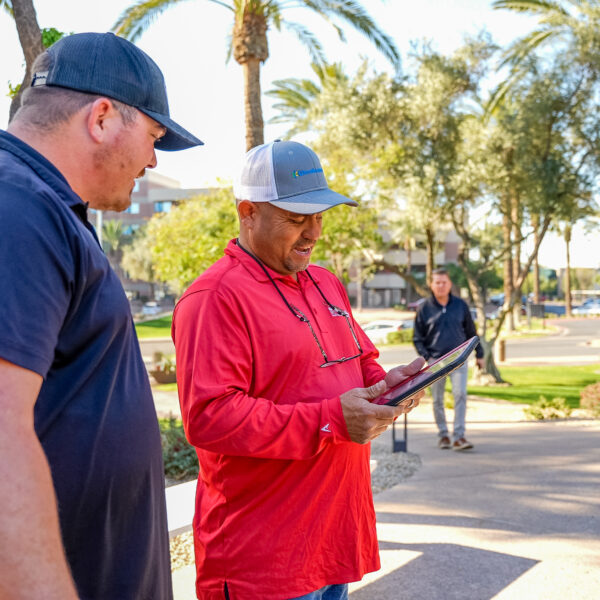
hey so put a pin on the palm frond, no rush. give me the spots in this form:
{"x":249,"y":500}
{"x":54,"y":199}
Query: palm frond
{"x":7,"y":6}
{"x":294,"y":93}
{"x":137,"y":18}
{"x":525,"y":45}
{"x":309,"y":40}
{"x":229,"y":44}
{"x":355,"y":15}
{"x":535,"y":7}
{"x":499,"y":94}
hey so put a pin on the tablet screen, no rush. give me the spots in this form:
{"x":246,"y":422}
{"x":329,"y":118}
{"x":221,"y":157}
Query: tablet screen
{"x":424,"y":375}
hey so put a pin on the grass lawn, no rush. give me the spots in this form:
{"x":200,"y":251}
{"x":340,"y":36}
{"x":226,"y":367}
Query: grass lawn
{"x":529,"y":383}
{"x":166,"y":387}
{"x":155,"y":328}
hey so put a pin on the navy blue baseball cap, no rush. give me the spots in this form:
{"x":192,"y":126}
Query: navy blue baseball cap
{"x":288,"y":175}
{"x":111,"y":66}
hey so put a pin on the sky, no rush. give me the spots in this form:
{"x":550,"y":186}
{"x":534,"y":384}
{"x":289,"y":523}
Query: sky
{"x":188,"y":42}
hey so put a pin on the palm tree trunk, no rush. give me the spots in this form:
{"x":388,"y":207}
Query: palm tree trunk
{"x":30,"y":37}
{"x":252,"y":104}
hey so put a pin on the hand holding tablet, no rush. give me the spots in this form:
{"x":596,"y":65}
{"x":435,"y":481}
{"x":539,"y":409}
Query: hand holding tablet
{"x":428,"y":375}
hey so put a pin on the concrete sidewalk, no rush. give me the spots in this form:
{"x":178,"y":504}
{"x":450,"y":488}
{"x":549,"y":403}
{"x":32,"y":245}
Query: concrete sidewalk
{"x":517,"y":517}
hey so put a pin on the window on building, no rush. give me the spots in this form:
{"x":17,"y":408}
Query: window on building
{"x":134,"y":208}
{"x":162,"y":207}
{"x":130,"y":229}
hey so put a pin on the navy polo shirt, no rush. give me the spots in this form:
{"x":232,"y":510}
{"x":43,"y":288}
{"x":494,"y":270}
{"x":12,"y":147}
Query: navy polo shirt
{"x":64,"y":315}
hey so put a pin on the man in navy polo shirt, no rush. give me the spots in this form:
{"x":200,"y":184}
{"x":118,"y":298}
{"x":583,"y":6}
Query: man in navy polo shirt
{"x":82,"y":507}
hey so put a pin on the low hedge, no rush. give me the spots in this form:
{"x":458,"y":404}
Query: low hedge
{"x":402,"y":336}
{"x":179,"y":457}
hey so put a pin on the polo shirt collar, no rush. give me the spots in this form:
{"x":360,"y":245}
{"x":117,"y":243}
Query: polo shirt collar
{"x":45,"y":170}
{"x":254,"y":269}
{"x":434,"y":299}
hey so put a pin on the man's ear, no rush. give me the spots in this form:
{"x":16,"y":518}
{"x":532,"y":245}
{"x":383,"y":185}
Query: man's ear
{"x":247,"y":212}
{"x":101,"y":115}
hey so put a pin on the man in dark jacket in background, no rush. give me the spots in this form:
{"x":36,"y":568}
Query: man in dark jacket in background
{"x":442,"y":323}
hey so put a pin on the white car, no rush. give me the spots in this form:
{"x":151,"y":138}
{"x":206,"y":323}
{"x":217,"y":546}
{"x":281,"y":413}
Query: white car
{"x":378,"y":331}
{"x":151,"y":308}
{"x":588,"y":308}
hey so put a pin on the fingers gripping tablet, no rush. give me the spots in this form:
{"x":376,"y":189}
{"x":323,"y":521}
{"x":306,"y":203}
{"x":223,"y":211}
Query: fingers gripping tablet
{"x":429,"y":374}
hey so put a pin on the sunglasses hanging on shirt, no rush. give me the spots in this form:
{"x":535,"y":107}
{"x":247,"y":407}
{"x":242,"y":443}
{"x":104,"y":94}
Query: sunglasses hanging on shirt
{"x":302,"y":317}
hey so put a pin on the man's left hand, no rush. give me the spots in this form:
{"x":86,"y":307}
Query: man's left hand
{"x":480,"y":363}
{"x":399,"y":374}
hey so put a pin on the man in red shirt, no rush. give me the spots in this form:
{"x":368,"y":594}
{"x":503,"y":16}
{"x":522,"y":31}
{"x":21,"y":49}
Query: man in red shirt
{"x":275,"y":382}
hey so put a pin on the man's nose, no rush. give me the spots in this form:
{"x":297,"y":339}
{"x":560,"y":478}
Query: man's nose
{"x":312,"y":230}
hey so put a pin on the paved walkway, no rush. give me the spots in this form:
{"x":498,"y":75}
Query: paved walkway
{"x":517,"y":517}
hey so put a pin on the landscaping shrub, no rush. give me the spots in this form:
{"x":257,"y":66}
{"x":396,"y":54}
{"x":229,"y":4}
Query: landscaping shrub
{"x":557,"y":408}
{"x":590,"y":398}
{"x":403,"y":336}
{"x":179,"y":457}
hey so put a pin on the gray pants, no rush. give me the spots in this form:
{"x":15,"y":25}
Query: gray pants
{"x":458,"y":379}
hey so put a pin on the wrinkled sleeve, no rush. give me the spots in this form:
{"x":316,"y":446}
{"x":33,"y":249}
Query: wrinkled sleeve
{"x":215,"y":376}
{"x":36,"y":273}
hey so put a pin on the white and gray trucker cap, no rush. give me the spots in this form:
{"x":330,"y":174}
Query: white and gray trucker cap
{"x":288,"y":175}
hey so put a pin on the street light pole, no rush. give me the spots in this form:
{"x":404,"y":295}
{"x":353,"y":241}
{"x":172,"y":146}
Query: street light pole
{"x":99,"y":218}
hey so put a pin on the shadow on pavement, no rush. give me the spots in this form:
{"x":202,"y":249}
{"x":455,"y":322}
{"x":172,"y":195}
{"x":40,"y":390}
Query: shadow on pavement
{"x":470,"y":574}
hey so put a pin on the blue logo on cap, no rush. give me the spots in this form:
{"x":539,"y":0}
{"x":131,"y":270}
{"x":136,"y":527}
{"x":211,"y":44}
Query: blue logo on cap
{"x":296,"y":174}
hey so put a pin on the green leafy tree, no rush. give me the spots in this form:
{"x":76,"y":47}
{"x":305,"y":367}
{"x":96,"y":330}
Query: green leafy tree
{"x":349,"y":235}
{"x":537,"y":153}
{"x":249,"y":42}
{"x":191,"y":237}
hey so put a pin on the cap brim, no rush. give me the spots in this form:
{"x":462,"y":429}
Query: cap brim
{"x":176,"y":138}
{"x":313,"y":202}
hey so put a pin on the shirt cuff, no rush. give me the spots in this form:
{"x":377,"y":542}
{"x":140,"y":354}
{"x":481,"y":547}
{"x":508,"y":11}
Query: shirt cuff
{"x":335,"y":421}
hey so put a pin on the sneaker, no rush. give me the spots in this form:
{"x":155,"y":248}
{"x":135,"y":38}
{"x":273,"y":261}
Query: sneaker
{"x":444,"y":443}
{"x":461,"y":444}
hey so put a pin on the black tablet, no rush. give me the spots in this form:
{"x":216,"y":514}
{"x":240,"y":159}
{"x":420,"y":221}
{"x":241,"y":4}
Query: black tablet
{"x":429,"y":374}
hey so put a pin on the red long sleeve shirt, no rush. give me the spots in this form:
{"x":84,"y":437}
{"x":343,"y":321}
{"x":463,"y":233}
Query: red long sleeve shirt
{"x":284,"y":503}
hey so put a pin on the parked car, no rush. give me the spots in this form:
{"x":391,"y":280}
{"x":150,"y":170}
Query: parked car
{"x":490,"y":313}
{"x":590,"y":307}
{"x":151,"y":308}
{"x":377,"y":331}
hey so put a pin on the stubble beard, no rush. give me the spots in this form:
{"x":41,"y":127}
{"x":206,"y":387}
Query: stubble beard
{"x":105,"y":196}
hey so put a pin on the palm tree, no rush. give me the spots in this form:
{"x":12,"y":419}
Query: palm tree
{"x":30,"y":37}
{"x":249,"y":45}
{"x":575,"y":22}
{"x":113,"y":237}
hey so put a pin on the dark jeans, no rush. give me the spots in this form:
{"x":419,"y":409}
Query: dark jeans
{"x":329,"y":592}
